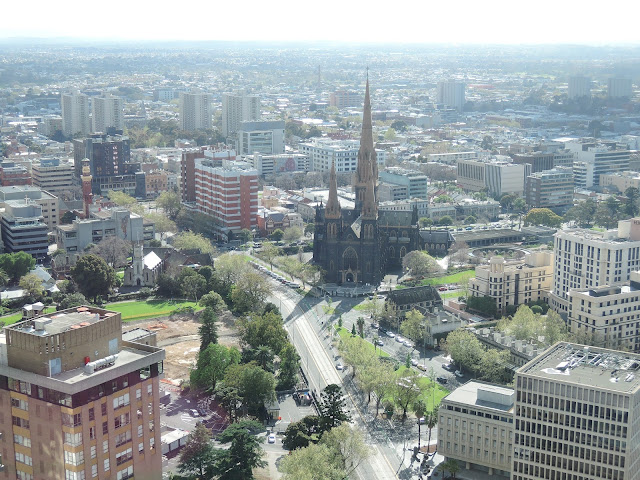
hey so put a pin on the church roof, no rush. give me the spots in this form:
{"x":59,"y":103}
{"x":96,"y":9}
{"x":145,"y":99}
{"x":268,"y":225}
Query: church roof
{"x":407,"y":296}
{"x":151,"y":260}
{"x":394,"y":218}
{"x":436,"y":236}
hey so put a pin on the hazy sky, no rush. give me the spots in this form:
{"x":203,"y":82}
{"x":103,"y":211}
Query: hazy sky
{"x":410,"y":21}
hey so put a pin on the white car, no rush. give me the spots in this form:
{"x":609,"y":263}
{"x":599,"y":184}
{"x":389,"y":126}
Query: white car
{"x":407,"y":343}
{"x":414,"y":362}
{"x":339,"y":367}
{"x":272,"y":438}
{"x":399,"y":339}
{"x":458,"y":373}
{"x":391,"y":334}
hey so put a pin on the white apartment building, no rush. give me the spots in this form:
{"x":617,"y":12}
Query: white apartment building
{"x":323,"y":152}
{"x":619,"y":87}
{"x":236,"y":109}
{"x":515,"y":282}
{"x":266,"y":137}
{"x":596,"y":157}
{"x":498,"y":175}
{"x":579,"y":86}
{"x":475,"y":426}
{"x":275,"y":164}
{"x":108,"y":112}
{"x":451,"y":158}
{"x":576,"y":415}
{"x":451,"y":94}
{"x":50,"y":210}
{"x":608,"y":316}
{"x":52,"y":176}
{"x":75,"y":114}
{"x":621,"y":180}
{"x":195,"y":111}
{"x":586,"y":259}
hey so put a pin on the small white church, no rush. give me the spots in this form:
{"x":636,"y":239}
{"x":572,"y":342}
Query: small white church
{"x":144,"y":269}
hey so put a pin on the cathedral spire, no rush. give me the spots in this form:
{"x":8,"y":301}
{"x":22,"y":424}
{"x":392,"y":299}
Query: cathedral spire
{"x":369,"y":206}
{"x":367,"y":168}
{"x":333,"y":205}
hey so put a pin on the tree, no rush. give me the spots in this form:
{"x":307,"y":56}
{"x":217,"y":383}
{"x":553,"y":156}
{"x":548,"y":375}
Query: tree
{"x":168,"y":286}
{"x":264,"y":356}
{"x":93,"y":276}
{"x":425,"y":222}
{"x":229,"y":268}
{"x":192,"y":285}
{"x":250,"y":291}
{"x":170,"y":203}
{"x":419,"y":263}
{"x":419,"y":408}
{"x":208,"y":330}
{"x":451,"y":466}
{"x":211,"y":300}
{"x":582,"y":213}
{"x":229,"y":399}
{"x":506,"y":201}
{"x":542,"y":216}
{"x":255,"y":386}
{"x":72,"y":300}
{"x":197,"y":455}
{"x":605,"y":216}
{"x":299,"y":434}
{"x":361,"y":326}
{"x":333,"y":409}
{"x":493,"y":366}
{"x":212,"y":365}
{"x":292,"y":234}
{"x":487,"y":142}
{"x":485,"y":305}
{"x":445,"y":220}
{"x":114,"y":250}
{"x":67,"y":217}
{"x":162,"y":223}
{"x":276,"y":235}
{"x":465,"y":349}
{"x":16,"y":265}
{"x":244,"y":453}
{"x":431,"y":422}
{"x":412,"y":326}
{"x":245,"y":235}
{"x":349,"y":446}
{"x":632,"y":195}
{"x":121,"y":199}
{"x":266,"y":329}
{"x":289,"y":366}
{"x":192,"y":241}
{"x":407,"y":389}
{"x":390,"y":135}
{"x":385,"y":383}
{"x":311,"y":463}
{"x":353,"y":330}
{"x":519,"y":204}
{"x":268,"y":252}
{"x":32,"y":285}
{"x":469,"y":220}
{"x":459,"y":251}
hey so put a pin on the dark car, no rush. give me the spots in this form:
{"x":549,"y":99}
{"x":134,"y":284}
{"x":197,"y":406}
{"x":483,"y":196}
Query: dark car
{"x":202,"y":412}
{"x":441,"y":379}
{"x":382,"y":330}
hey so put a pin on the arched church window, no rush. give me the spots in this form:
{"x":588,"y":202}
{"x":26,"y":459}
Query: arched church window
{"x":350,"y":259}
{"x":403,"y":252}
{"x":392,"y":252}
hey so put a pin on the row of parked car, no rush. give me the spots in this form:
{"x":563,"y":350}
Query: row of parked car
{"x":277,"y":277}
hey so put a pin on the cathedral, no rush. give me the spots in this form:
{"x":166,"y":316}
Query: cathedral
{"x":362,"y":244}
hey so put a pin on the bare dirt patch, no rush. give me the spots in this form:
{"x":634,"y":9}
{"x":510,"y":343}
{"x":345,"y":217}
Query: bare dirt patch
{"x":178,"y":336}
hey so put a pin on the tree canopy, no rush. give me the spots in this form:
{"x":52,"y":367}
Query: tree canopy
{"x":212,"y":365}
{"x":16,"y":265}
{"x":197,"y":455}
{"x":420,"y":263}
{"x":192,"y":241}
{"x":542,"y":216}
{"x":93,"y":276}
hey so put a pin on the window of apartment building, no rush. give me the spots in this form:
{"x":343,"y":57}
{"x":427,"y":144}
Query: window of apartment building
{"x":92,"y":414}
{"x":20,"y":440}
{"x":150,"y":389}
{"x":105,"y":446}
{"x":152,"y":443}
{"x":106,"y":465}
{"x":124,"y":474}
{"x":72,"y":420}
{"x":94,"y":452}
{"x":105,"y":428}
{"x":19,"y":403}
{"x":20,"y":422}
{"x":69,"y":475}
{"x":20,"y":475}
{"x":151,"y":426}
{"x":103,"y":408}
{"x":140,"y":430}
{"x":94,"y":470}
{"x":138,"y":393}
{"x":124,"y":456}
{"x":123,"y":438}
{"x":121,"y":420}
{"x":73,"y":439}
{"x":22,"y":458}
{"x":72,"y":458}
{"x":141,"y":447}
{"x":121,"y":401}
{"x":92,"y":433}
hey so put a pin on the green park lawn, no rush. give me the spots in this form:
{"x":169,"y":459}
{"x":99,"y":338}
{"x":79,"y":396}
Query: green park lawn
{"x":459,"y":277}
{"x":344,"y":333}
{"x":144,"y":309}
{"x":11,"y":319}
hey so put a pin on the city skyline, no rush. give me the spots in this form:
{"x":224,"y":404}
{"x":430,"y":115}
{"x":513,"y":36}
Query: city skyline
{"x":495,"y":22}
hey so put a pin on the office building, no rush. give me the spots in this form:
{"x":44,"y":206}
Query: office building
{"x":344,"y":99}
{"x":236,"y":109}
{"x":607,"y":316}
{"x":195,"y":111}
{"x":619,"y":87}
{"x":579,"y":86}
{"x":620,"y":180}
{"x":276,"y":164}
{"x":12,"y":174}
{"x":23,"y":228}
{"x":266,"y":137}
{"x":324,"y":152}
{"x":576,"y":415}
{"x":107,"y":154}
{"x":451,"y":158}
{"x":188,"y":167}
{"x":103,"y":224}
{"x":52,"y":175}
{"x":414,"y":181}
{"x":80,"y":400}
{"x":50,"y":125}
{"x":514,"y":282}
{"x":498,"y":175}
{"x":451,"y":94}
{"x":545,"y":160}
{"x":475,"y":426}
{"x":49,"y":203}
{"x":155,"y":183}
{"x":227,"y":193}
{"x":550,"y":189}
{"x":596,"y":157}
{"x":75,"y":114}
{"x":108,"y":113}
{"x":586,"y":259}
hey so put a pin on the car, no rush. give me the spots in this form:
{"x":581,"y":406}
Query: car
{"x":414,"y":362}
{"x":339,"y":367}
{"x":442,"y":289}
{"x":380,"y":343}
{"x":399,"y":339}
{"x":422,"y":420}
{"x":469,"y":228}
{"x":380,"y":297}
{"x":374,"y":325}
{"x":391,"y":334}
{"x":452,"y":287}
{"x":382,"y":330}
{"x":441,"y":379}
{"x":447,"y":366}
{"x":294,"y":285}
{"x":421,"y":367}
{"x":370,"y":297}
{"x":458,"y":373}
{"x":202,"y":412}
{"x":271,"y":438}
{"x":407,"y":343}
{"x":194,"y":412}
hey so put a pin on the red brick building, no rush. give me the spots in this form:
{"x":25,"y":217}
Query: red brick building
{"x":12,"y":174}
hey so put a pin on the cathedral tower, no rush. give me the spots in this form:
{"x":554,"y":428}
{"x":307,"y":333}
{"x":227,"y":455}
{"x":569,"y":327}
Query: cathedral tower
{"x":367,"y":169}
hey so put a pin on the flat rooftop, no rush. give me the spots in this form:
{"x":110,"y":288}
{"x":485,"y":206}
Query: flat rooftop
{"x":478,"y":394}
{"x":587,"y":367}
{"x":62,"y":321}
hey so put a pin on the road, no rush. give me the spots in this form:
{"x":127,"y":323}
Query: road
{"x":321,"y":371}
